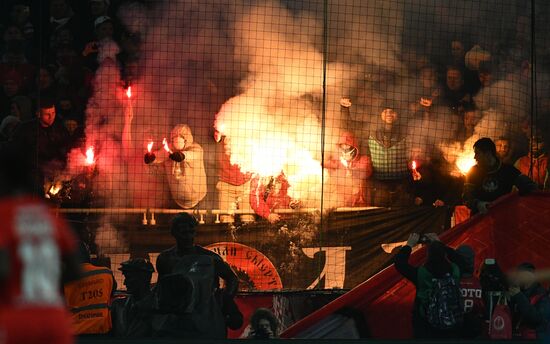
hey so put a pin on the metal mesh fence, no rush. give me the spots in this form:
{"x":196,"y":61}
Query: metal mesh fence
{"x":268,"y":120}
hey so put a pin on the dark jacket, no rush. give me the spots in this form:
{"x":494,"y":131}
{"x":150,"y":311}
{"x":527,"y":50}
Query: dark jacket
{"x":537,"y":316}
{"x":487,"y":186}
{"x":42,"y":145}
{"x":169,"y":258}
{"x":132,"y":318}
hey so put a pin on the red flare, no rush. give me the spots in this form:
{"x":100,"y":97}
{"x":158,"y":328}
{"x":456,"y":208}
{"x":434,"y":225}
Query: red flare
{"x":90,"y":156}
{"x":413,"y":165}
{"x":150,"y":146}
{"x":129,"y":92}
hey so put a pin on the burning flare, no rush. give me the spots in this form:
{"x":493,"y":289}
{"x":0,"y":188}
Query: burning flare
{"x":465,"y":162}
{"x":415,"y":174}
{"x":90,"y":156}
{"x":54,"y":189}
{"x":150,"y":146}
{"x":165,"y":145}
{"x":129,"y":92}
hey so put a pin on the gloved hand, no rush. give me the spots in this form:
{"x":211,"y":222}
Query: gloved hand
{"x":149,"y":158}
{"x":177,"y":156}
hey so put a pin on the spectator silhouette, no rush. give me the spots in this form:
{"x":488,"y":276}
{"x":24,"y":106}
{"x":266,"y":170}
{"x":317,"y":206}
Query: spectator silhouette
{"x":132,"y":316}
{"x":188,"y":290}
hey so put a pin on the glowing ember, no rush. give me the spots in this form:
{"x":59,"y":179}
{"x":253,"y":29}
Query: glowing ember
{"x":465,"y":162}
{"x":165,"y":145}
{"x":413,"y":165}
{"x":150,"y":146}
{"x":90,"y":156}
{"x":129,"y":92}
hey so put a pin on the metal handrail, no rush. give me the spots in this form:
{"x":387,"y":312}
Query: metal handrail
{"x":200,"y":212}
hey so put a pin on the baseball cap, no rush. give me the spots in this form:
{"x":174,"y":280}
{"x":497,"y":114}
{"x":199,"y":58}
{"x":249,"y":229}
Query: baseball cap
{"x":136,"y":264}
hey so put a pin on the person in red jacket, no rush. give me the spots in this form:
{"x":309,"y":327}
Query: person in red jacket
{"x":33,"y":244}
{"x":355,"y":166}
{"x":269,"y":193}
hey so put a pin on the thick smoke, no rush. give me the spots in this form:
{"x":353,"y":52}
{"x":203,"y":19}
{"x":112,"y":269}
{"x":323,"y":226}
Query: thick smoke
{"x":256,"y":68}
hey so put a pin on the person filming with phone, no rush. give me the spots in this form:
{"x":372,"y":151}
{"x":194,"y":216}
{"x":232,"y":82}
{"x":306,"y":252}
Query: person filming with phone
{"x":438,"y":310}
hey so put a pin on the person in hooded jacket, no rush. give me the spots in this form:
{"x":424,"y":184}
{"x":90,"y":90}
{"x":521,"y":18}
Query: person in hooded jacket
{"x":353,"y":165}
{"x":184,"y":167}
{"x":439,"y":263}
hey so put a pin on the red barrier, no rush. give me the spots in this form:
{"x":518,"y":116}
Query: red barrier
{"x":516,"y":229}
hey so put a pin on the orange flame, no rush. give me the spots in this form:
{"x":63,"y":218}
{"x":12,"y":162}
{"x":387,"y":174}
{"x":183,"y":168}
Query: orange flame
{"x":165,"y":145}
{"x":150,"y":146}
{"x":465,"y":162}
{"x":54,"y":189}
{"x":415,"y":174}
{"x":90,"y":156}
{"x":129,"y":92}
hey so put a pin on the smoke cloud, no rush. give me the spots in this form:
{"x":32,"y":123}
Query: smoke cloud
{"x":255,"y":69}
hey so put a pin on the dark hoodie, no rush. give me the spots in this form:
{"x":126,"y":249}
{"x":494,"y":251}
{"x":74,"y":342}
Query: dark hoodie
{"x":529,"y":315}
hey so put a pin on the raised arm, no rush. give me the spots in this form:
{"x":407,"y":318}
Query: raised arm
{"x":127,"y":144}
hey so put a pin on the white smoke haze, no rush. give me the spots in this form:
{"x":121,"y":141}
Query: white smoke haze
{"x":510,"y":96}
